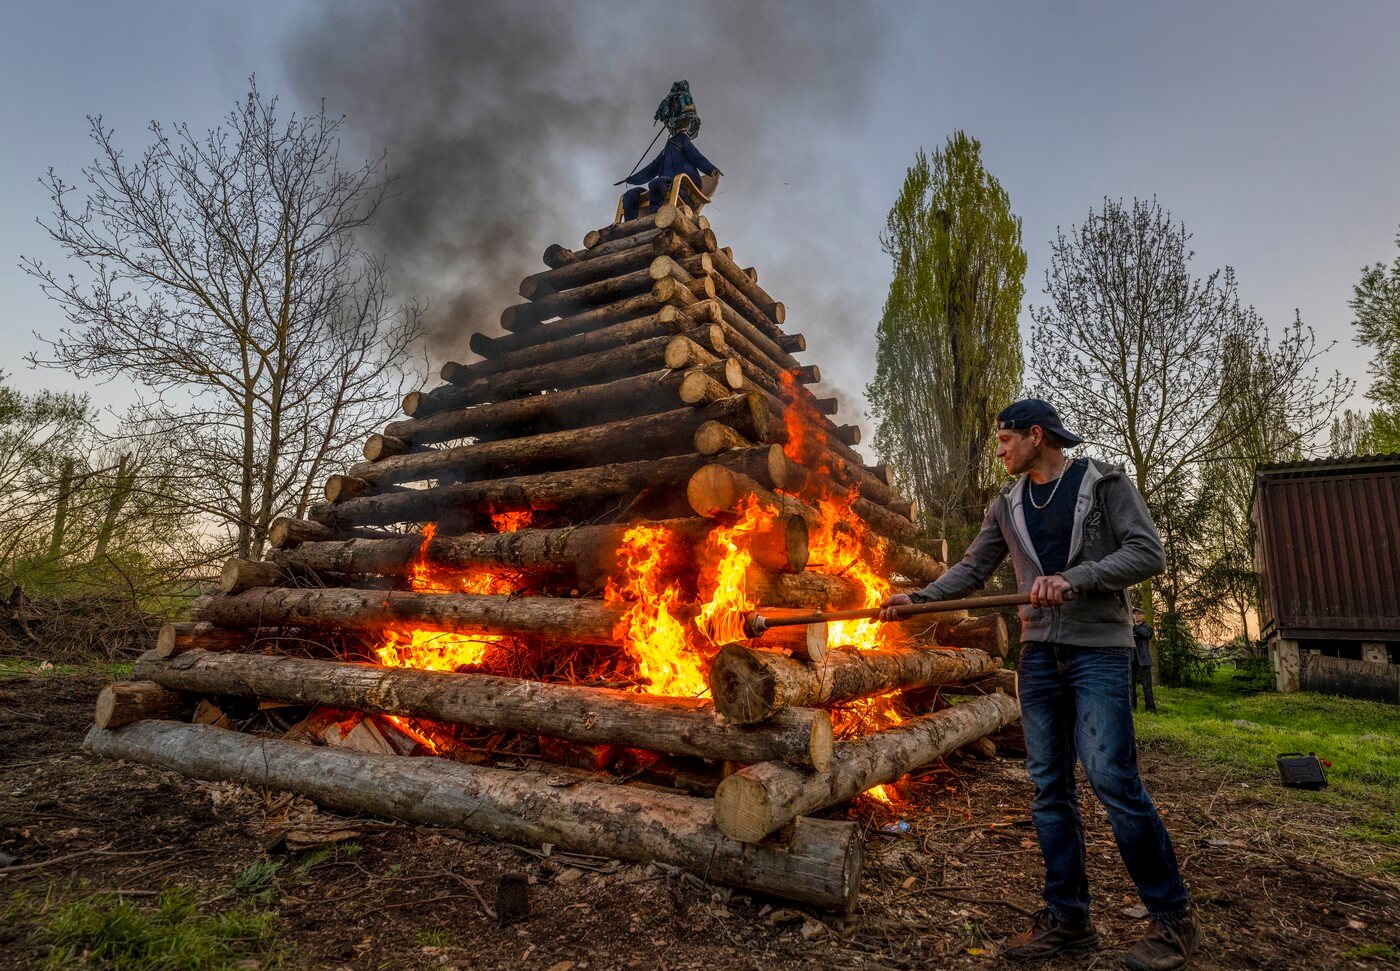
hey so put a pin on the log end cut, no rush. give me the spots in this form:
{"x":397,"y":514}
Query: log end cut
{"x":744,"y":690}
{"x":128,"y":702}
{"x":746,"y":809}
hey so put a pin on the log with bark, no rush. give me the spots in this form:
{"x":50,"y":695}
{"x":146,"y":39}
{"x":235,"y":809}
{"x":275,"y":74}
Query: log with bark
{"x":604,"y":484}
{"x":286,"y":531}
{"x":747,"y":340}
{"x":665,"y":434}
{"x":767,"y":307}
{"x":750,"y":685}
{"x":912,"y":564}
{"x":127,"y":702}
{"x":180,"y":636}
{"x":642,"y":394}
{"x":819,"y":863}
{"x":626,"y":259}
{"x":666,"y":217}
{"x":987,"y":633}
{"x":666,"y":320}
{"x":676,"y":726}
{"x":575,"y":621}
{"x":760,"y":799}
{"x":619,"y":311}
{"x":594,"y":294}
{"x":810,"y":590}
{"x":609,"y":365}
{"x":585,"y":555}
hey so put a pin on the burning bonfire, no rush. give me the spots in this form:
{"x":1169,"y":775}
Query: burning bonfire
{"x":550,"y":569}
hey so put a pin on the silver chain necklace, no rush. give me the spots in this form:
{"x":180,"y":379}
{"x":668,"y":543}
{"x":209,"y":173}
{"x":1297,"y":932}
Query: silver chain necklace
{"x":1030,"y":488}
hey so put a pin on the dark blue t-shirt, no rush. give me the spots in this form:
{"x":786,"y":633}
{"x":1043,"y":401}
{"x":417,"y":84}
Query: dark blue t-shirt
{"x":1050,"y":527}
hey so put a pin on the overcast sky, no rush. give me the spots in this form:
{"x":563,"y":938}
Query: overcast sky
{"x":1269,"y":128}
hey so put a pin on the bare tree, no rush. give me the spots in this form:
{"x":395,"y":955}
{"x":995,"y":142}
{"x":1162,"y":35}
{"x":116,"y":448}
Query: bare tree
{"x":225,"y":278}
{"x":1167,"y":371}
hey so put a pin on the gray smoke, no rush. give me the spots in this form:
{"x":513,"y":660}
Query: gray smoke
{"x":505,"y":123}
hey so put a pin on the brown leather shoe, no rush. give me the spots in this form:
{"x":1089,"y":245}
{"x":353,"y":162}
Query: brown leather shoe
{"x":1047,"y":937}
{"x":1168,"y":945}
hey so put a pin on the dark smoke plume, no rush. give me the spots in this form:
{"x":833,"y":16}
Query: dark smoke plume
{"x":505,"y":123}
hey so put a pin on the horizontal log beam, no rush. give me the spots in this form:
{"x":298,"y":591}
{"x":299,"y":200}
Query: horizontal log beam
{"x":676,"y":726}
{"x":641,"y":394}
{"x":127,"y":702}
{"x":584,"y":554}
{"x":760,"y":799}
{"x":750,"y":685}
{"x":666,"y":320}
{"x":543,"y":491}
{"x":666,"y":433}
{"x":819,"y":863}
{"x":573,"y":621}
{"x":609,"y":365}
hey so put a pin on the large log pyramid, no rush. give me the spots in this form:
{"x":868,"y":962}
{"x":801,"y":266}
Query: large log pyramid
{"x":533,"y":581}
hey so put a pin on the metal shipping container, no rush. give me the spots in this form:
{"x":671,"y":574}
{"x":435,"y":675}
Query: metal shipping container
{"x":1328,"y":548}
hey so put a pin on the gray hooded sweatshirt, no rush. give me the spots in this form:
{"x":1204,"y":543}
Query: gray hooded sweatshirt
{"x":1113,"y":546}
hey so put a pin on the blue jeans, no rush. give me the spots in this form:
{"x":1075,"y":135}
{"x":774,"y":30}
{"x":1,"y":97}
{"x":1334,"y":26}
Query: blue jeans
{"x":1077,"y":702}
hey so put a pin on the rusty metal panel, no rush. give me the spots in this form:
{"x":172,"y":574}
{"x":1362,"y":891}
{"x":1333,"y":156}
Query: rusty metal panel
{"x":1329,"y":551}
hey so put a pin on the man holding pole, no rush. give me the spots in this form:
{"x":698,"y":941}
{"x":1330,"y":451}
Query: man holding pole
{"x":1079,"y":535}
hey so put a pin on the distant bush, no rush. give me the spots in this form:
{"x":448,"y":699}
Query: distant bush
{"x":1181,"y":660}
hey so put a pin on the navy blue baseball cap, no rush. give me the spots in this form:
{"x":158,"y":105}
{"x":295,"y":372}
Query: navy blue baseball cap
{"x":1032,"y":411}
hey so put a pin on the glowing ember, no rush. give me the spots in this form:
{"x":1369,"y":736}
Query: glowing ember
{"x":885,"y":794}
{"x":510,"y":522}
{"x":651,"y":632}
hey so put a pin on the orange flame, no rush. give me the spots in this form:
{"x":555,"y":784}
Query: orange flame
{"x":511,"y":522}
{"x":651,"y":632}
{"x":726,"y":557}
{"x":435,"y":650}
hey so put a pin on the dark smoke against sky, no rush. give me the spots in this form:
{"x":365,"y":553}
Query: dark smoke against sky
{"x":507,"y":123}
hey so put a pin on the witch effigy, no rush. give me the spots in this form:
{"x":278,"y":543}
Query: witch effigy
{"x":678,"y":156}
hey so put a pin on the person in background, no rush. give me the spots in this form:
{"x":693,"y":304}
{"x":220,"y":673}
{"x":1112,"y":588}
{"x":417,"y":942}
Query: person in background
{"x":1142,"y":659}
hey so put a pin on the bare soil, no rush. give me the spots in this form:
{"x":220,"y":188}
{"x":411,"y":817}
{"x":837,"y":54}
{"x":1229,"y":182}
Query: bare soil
{"x":1277,"y":879}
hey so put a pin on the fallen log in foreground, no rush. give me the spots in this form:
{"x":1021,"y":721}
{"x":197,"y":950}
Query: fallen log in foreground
{"x":759,"y":799}
{"x":676,"y":726}
{"x":819,"y":864}
{"x":750,"y":685}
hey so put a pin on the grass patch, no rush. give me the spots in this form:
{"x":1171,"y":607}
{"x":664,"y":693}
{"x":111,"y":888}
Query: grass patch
{"x":1233,"y":724}
{"x":1382,"y":951}
{"x":19,"y":668}
{"x":177,"y":932}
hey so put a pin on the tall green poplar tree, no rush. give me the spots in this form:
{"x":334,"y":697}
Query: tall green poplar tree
{"x":949,"y":355}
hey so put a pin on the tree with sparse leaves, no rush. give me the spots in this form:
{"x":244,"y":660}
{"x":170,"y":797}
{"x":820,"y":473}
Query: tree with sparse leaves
{"x":224,"y":278}
{"x":949,"y":352}
{"x":1167,"y":371}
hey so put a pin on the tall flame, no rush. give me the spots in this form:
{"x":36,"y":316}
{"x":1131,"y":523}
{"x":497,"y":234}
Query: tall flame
{"x":651,"y":631}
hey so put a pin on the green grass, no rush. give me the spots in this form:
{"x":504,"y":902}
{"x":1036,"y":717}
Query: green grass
{"x":1383,"y":951}
{"x":1236,"y":725}
{"x":176,"y":932}
{"x":16,"y":668}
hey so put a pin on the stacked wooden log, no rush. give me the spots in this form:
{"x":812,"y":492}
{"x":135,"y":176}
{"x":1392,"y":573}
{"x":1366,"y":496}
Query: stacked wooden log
{"x":647,"y":380}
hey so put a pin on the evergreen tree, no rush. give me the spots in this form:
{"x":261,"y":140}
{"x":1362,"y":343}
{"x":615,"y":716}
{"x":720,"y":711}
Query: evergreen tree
{"x":1376,"y":304}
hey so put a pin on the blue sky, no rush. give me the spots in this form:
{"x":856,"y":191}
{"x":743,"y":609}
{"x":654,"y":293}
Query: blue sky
{"x":1270,"y":128}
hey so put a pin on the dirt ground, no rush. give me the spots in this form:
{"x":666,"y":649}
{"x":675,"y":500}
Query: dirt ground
{"x":1277,"y":879}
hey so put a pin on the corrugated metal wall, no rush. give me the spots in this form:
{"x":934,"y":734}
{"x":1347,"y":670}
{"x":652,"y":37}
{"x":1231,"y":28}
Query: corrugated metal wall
{"x":1329,"y":552}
